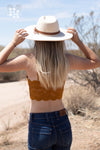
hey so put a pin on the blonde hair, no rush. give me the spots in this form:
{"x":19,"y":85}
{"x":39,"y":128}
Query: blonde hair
{"x":51,"y":64}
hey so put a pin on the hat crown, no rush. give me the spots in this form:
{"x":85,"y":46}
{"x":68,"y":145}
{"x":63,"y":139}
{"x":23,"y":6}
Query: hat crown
{"x":47,"y":24}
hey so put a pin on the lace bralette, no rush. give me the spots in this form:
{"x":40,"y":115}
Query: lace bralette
{"x":38,"y":92}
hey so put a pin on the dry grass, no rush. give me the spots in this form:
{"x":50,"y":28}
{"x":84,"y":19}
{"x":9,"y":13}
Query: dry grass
{"x":6,"y":140}
{"x":6,"y":125}
{"x":25,"y":114}
{"x":5,"y":135}
{"x":81,"y":101}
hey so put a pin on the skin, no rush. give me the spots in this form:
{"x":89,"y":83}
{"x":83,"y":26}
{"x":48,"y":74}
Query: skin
{"x":26,"y":62}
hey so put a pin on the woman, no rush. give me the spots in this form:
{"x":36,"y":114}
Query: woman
{"x":47,"y":67}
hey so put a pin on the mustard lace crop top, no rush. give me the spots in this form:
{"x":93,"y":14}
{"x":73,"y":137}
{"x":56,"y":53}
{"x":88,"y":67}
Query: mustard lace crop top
{"x":37,"y":92}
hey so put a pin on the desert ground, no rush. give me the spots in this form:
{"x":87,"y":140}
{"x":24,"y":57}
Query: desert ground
{"x":14,"y":113}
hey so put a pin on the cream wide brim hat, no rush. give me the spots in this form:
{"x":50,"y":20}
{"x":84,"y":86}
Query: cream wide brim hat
{"x":47,"y":29}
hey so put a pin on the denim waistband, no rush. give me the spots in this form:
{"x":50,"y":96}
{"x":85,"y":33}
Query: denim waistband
{"x":43,"y":115}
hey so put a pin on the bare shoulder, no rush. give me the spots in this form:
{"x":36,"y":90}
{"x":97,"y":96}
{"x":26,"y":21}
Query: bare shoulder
{"x":29,"y":55}
{"x":31,"y":67}
{"x":80,"y":63}
{"x":69,"y":57}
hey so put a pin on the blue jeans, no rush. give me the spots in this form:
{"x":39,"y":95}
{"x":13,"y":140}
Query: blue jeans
{"x":49,"y":131}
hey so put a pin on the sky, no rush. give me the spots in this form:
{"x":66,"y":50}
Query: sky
{"x":16,"y":14}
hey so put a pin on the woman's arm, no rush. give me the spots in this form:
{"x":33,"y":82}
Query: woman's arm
{"x":18,"y":63}
{"x":17,"y":39}
{"x":86,"y":50}
{"x":78,"y":63}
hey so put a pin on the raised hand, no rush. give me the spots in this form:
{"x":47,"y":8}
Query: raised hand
{"x":19,"y":36}
{"x":75,"y":37}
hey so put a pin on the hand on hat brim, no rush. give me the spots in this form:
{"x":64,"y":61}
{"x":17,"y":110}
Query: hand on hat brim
{"x":73,"y":31}
{"x":63,"y":35}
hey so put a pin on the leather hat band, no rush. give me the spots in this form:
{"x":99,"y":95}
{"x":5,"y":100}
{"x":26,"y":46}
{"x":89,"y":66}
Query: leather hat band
{"x":48,"y":33}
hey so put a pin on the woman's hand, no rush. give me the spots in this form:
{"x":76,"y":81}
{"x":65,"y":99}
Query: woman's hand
{"x":19,"y":36}
{"x":75,"y":37}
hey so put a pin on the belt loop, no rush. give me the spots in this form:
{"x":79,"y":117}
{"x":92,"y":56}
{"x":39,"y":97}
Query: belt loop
{"x":66,"y":111}
{"x":63,"y":112}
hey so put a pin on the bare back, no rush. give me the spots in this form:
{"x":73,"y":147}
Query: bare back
{"x":41,"y":106}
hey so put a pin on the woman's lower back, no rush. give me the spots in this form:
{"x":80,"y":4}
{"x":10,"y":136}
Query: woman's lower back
{"x":46,"y":106}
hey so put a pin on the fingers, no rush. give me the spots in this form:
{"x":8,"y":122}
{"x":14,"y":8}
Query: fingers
{"x":71,"y":28}
{"x":73,"y":31}
{"x":22,"y":32}
{"x":18,"y":31}
{"x":70,"y":31}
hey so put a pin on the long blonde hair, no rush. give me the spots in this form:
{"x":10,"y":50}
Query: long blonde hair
{"x":51,"y":63}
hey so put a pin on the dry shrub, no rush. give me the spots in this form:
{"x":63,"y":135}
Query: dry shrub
{"x":25,"y":114}
{"x":6,"y":124}
{"x":6,"y":140}
{"x":79,"y":100}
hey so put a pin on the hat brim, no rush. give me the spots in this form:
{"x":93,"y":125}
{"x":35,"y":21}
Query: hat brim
{"x":61,"y":36}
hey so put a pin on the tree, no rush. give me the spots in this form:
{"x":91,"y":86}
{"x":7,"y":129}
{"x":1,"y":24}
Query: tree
{"x":88,"y":27}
